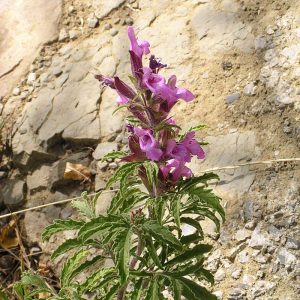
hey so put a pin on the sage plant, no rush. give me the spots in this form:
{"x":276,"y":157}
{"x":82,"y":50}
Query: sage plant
{"x":143,"y":233}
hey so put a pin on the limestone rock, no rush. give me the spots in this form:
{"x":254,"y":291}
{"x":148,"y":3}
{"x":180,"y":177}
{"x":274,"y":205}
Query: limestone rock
{"x":39,"y":179}
{"x":103,"y":8}
{"x":103,"y":149}
{"x":14,"y":193}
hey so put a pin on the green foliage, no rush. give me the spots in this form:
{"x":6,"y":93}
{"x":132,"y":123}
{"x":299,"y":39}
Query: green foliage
{"x":146,"y":246}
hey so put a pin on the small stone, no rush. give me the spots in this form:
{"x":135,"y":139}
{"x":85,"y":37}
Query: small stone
{"x":71,"y":9}
{"x":93,"y":22}
{"x":102,"y":165}
{"x":286,"y":258}
{"x":44,"y":77}
{"x":250,"y":225}
{"x":66,"y":212}
{"x":220,"y":275}
{"x":261,"y":259}
{"x":249,"y":89}
{"x":258,"y":240}
{"x":63,"y":35}
{"x":16,"y":91}
{"x":57,"y":71}
{"x":236,"y":294}
{"x":99,"y":183}
{"x":243,"y":257}
{"x":260,"y":43}
{"x":242,"y":235}
{"x":248,"y":279}
{"x":2,"y":174}
{"x":234,"y":251}
{"x":107,"y":26}
{"x":31,"y":78}
{"x":24,"y":95}
{"x":218,"y":294}
{"x":113,"y":165}
{"x":269,"y":31}
{"x":287,"y":129}
{"x":14,"y":193}
{"x":38,"y":180}
{"x":232,"y":98}
{"x":129,"y":21}
{"x":236,"y":274}
{"x":73,"y":34}
{"x":292,"y":244}
{"x":261,"y":287}
{"x":114,"y":32}
{"x":103,"y":149}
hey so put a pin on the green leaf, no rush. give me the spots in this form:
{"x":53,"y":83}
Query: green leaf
{"x":152,"y":293}
{"x":205,"y":274}
{"x":61,"y":225}
{"x":162,"y":234}
{"x":190,"y":254}
{"x":188,"y":184}
{"x":119,"y":108}
{"x":175,"y":209}
{"x":86,"y":205}
{"x":138,"y":290}
{"x":3,"y":296}
{"x":98,"y":279}
{"x":191,"y":238}
{"x":112,"y":292}
{"x":152,"y":169}
{"x":122,"y":248}
{"x":65,"y":247}
{"x":152,"y":251}
{"x":198,"y":127}
{"x":176,"y":287}
{"x":114,"y":155}
{"x":71,"y":265}
{"x":193,"y":291}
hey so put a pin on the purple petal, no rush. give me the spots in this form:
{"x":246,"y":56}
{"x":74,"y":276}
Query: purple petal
{"x":122,"y":99}
{"x":154,"y":154}
{"x":185,"y":94}
{"x":124,"y":89}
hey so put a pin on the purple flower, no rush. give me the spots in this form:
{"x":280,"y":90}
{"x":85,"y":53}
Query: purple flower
{"x":148,"y":143}
{"x":152,"y":81}
{"x":175,"y":169}
{"x":105,"y":80}
{"x":184,"y":150}
{"x":155,"y":64}
{"x":139,"y":48}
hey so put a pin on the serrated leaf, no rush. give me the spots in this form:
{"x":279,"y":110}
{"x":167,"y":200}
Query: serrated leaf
{"x":191,"y":238}
{"x":193,"y":291}
{"x":175,"y":209}
{"x":152,"y":169}
{"x":122,"y":248}
{"x":176,"y":288}
{"x":152,"y":252}
{"x":65,"y":247}
{"x":138,"y":290}
{"x":70,"y":265}
{"x":190,"y":254}
{"x":188,"y":184}
{"x":119,"y":108}
{"x":98,"y":279}
{"x":152,"y":292}
{"x":112,"y":292}
{"x":205,"y":274}
{"x":61,"y":225}
{"x":162,"y":234}
{"x":114,"y":155}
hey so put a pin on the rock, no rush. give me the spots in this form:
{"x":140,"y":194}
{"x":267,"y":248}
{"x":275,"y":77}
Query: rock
{"x":236,"y":294}
{"x":250,"y":225}
{"x":261,"y":287}
{"x":287,"y":129}
{"x":107,"y":26}
{"x":99,"y":183}
{"x":220,"y":275}
{"x":73,"y":34}
{"x":57,"y":71}
{"x":114,"y":32}
{"x":129,"y":21}
{"x":232,"y":98}
{"x":14,"y":193}
{"x":31,"y":78}
{"x":66,"y":212}
{"x":286,"y":258}
{"x":249,"y":89}
{"x":292,"y":244}
{"x":259,"y":240}
{"x":39,"y":179}
{"x":103,"y":202}
{"x":34,"y":224}
{"x":235,"y":251}
{"x":243,"y":257}
{"x":102,"y":165}
{"x":44,"y":77}
{"x":92,"y":22}
{"x":103,"y":8}
{"x":248,"y":279}
{"x":63,"y":35}
{"x":16,"y":91}
{"x":260,"y":43}
{"x":52,"y":213}
{"x":113,"y":165}
{"x":218,"y":294}
{"x":236,"y":274}
{"x":242,"y":235}
{"x":104,"y":148}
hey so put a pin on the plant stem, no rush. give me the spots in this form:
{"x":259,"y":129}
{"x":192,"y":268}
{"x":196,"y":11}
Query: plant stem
{"x":132,"y":265}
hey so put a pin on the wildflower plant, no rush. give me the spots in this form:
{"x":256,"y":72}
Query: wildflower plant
{"x":142,"y":232}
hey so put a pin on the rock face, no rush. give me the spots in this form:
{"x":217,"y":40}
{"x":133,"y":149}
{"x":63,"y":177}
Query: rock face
{"x":25,"y":26}
{"x":220,"y":28}
{"x":14,"y":193}
{"x":240,"y":147}
{"x":103,"y":8}
{"x":39,"y":179}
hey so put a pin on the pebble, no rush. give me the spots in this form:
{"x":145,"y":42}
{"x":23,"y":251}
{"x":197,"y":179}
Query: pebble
{"x":232,"y":98}
{"x":286,"y":258}
{"x":243,"y":257}
{"x":218,"y":294}
{"x":73,"y":34}
{"x":104,"y":148}
{"x":129,"y":21}
{"x":107,"y":26}
{"x":287,"y":129}
{"x":292,"y":244}
{"x":71,"y":9}
{"x":14,"y":193}
{"x":57,"y":71}
{"x":16,"y":91}
{"x":102,"y":165}
{"x":242,"y":235}
{"x":236,"y":294}
{"x":93,"y":22}
{"x":24,"y":95}
{"x":260,"y":43}
{"x":113,"y":165}
{"x":31,"y":78}
{"x":63,"y":35}
{"x":114,"y":32}
{"x":250,"y":225}
{"x":249,"y":89}
{"x":220,"y":275}
{"x":236,"y":274}
{"x":44,"y":77}
{"x":261,"y":287}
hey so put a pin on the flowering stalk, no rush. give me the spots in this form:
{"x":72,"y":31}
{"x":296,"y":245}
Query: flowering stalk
{"x":157,"y":248}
